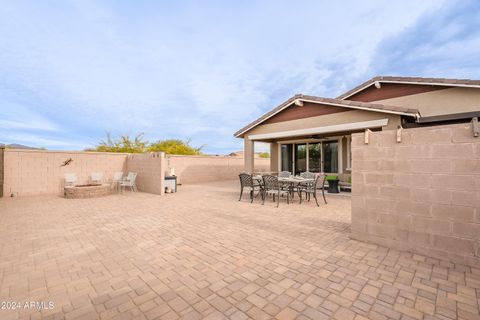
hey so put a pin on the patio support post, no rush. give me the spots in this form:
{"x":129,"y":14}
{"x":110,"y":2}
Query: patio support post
{"x":249,"y":153}
{"x":274,"y":157}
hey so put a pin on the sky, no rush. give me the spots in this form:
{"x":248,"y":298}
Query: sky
{"x":73,"y":71}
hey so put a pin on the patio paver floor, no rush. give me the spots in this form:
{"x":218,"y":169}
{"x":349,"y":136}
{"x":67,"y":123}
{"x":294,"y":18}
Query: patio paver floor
{"x":201,"y":254}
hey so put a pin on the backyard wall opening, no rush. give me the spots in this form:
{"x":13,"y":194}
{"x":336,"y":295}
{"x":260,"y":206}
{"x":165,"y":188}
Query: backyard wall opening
{"x":421,"y":194}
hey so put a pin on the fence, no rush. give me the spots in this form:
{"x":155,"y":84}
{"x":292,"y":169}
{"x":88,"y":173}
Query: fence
{"x":34,"y":172}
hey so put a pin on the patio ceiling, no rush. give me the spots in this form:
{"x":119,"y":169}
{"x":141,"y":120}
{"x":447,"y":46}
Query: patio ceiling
{"x":321,"y":130}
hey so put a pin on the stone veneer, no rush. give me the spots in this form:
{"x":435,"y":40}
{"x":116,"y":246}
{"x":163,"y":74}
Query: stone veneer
{"x":82,"y":192}
{"x":422,"y":194}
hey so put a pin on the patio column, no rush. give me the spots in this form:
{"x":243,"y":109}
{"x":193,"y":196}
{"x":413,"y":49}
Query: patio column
{"x":249,"y":153}
{"x":273,"y":157}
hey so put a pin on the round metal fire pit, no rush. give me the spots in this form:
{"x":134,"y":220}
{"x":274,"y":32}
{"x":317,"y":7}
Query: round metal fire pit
{"x":86,"y":191}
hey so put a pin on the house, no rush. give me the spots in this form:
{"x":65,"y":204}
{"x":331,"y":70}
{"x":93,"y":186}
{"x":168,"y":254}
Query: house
{"x":310,"y":133}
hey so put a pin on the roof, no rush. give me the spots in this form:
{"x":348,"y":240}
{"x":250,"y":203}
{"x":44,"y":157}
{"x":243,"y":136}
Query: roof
{"x":376,"y":107}
{"x":413,"y":80}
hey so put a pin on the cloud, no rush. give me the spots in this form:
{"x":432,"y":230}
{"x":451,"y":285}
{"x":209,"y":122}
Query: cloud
{"x":36,"y":140}
{"x":184,"y":69}
{"x":443,"y":43}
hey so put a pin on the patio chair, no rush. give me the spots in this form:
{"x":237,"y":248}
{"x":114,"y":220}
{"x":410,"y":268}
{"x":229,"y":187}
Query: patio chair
{"x":96,"y":177}
{"x":284,"y":174}
{"x":247,"y":181}
{"x":311,"y":189}
{"x":271,"y":186}
{"x":304,"y":184}
{"x":117,"y":178}
{"x":308,"y":175}
{"x":70,"y":179}
{"x":129,"y":181}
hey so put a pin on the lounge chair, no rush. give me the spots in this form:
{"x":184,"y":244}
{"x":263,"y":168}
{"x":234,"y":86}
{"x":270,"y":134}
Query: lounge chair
{"x":96,"y":177}
{"x":129,"y":181}
{"x":117,"y":178}
{"x":70,"y":179}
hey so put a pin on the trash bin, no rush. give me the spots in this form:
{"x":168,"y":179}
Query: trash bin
{"x":171,"y":182}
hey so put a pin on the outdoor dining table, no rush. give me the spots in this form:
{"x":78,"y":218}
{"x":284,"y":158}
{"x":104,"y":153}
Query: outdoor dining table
{"x":291,"y":182}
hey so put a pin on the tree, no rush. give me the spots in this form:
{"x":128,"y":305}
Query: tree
{"x":264,"y":155}
{"x":175,"y":146}
{"x":123,"y":144}
{"x":139,"y":145}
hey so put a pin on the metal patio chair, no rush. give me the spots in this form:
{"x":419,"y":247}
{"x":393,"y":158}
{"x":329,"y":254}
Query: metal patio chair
{"x":271,"y":186}
{"x":312,"y":188}
{"x":284,"y":174}
{"x":247,"y":181}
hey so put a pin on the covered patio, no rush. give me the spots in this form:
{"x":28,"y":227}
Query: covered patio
{"x":314,"y":134}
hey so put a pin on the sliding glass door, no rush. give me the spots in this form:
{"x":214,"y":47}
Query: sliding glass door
{"x":314,"y":157}
{"x":300,"y":158}
{"x":310,"y":156}
{"x":287,"y":157}
{"x":330,"y":156}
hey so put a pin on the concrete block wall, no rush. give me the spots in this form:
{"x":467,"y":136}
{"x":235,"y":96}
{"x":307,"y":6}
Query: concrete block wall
{"x":35,"y":172}
{"x":195,"y":169}
{"x":422,"y":194}
{"x":150,"y":169}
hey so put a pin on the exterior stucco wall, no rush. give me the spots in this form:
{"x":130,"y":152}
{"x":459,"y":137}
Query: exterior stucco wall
{"x":326,"y":120}
{"x":447,"y":101}
{"x":150,"y":169}
{"x":422,"y":194}
{"x":34,"y":172}
{"x":194,"y":169}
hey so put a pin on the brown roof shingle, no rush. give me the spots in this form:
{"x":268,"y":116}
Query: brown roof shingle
{"x":413,"y":80}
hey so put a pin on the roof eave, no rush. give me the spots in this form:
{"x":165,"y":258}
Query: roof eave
{"x":241,"y":132}
{"x":381,"y":79}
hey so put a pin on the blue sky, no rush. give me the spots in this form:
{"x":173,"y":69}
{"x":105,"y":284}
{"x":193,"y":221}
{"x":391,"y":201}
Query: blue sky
{"x":70,"y":71}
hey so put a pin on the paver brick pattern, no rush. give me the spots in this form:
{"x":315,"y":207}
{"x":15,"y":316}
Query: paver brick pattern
{"x":201,"y":254}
